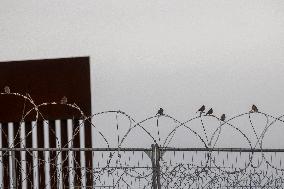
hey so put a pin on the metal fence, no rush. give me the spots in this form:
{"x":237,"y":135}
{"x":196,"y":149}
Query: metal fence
{"x":157,"y":152}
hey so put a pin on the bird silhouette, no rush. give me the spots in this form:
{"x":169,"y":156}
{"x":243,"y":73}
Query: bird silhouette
{"x":160,"y":111}
{"x":254,"y":108}
{"x":7,"y":89}
{"x":210,"y":111}
{"x":201,"y":109}
{"x":223,"y":117}
{"x":110,"y":155}
{"x":63,"y":100}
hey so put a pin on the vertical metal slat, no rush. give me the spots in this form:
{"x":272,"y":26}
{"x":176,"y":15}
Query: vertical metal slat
{"x":35,"y":156}
{"x":93,"y":155}
{"x":23,"y":155}
{"x":70,"y":154}
{"x":46,"y":155}
{"x":12,"y":167}
{"x":1,"y":160}
{"x":58,"y":154}
{"x":82,"y":153}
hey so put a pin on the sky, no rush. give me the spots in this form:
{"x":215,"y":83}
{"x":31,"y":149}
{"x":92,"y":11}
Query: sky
{"x":145,"y":55}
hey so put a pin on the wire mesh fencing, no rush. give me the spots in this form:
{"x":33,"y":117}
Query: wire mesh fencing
{"x":112,"y":150}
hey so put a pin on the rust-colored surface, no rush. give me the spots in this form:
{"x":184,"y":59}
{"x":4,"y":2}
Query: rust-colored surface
{"x":45,"y":80}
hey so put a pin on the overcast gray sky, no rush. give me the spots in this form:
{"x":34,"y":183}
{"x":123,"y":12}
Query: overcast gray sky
{"x":146,"y":54}
{"x":163,"y":53}
{"x":149,"y":54}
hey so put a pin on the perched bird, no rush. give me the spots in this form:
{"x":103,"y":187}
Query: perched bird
{"x":63,"y":100}
{"x":110,"y":155}
{"x":7,"y":89}
{"x":254,"y":108}
{"x":160,"y":112}
{"x":210,"y":111}
{"x":201,"y":109}
{"x":223,"y":117}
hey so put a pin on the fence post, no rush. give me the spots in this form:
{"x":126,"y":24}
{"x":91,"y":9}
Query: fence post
{"x":158,"y":158}
{"x":153,"y":159}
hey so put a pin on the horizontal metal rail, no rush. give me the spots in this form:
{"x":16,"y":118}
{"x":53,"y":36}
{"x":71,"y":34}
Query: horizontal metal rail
{"x":76,"y":149}
{"x":135,"y":167}
{"x":226,"y":149}
{"x":122,"y":167}
{"x":149,"y":149}
{"x":102,"y":186}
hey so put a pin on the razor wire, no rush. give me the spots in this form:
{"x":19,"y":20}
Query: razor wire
{"x":191,"y":152}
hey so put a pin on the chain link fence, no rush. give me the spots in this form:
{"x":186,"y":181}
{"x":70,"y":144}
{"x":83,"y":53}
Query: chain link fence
{"x":159,"y":152}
